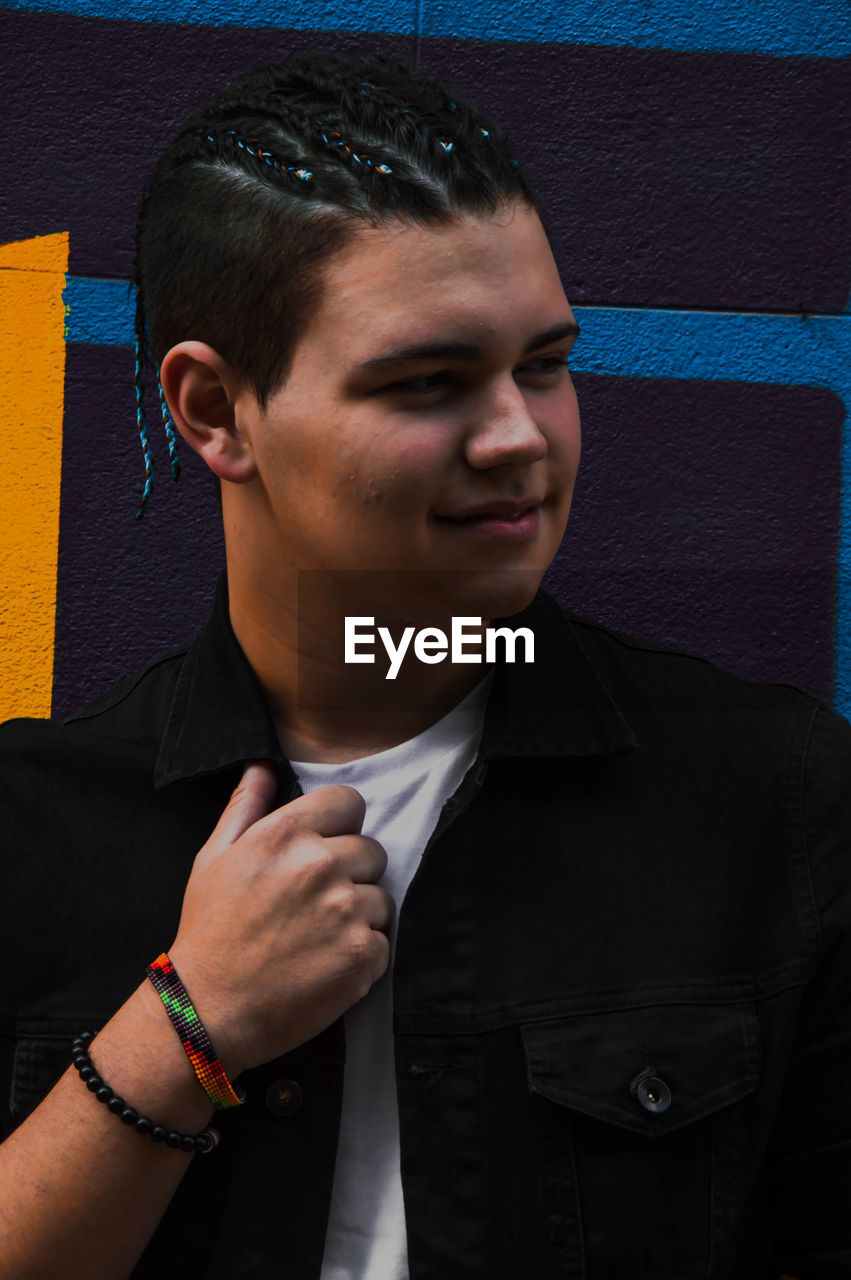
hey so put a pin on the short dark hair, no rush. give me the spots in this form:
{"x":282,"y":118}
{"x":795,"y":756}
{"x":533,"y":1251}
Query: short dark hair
{"x":272,"y":177}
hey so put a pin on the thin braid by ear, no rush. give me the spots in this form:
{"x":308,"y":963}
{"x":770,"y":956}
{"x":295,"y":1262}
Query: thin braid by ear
{"x":141,"y":422}
{"x":170,"y":432}
{"x":141,"y":348}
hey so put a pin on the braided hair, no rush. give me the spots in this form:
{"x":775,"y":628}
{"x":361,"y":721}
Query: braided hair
{"x":274,"y":176}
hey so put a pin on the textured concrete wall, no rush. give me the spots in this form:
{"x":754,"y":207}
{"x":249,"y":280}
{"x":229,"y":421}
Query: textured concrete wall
{"x":693,"y":160}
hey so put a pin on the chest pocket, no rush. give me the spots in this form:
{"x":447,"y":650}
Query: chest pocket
{"x":642,"y":1117}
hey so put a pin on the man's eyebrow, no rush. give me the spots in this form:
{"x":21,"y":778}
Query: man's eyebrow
{"x":465,"y":351}
{"x":425,"y":351}
{"x":569,"y":329}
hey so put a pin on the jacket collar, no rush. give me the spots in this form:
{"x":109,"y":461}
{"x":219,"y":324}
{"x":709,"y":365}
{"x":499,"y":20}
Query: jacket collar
{"x":218,"y":715}
{"x":556,"y":706}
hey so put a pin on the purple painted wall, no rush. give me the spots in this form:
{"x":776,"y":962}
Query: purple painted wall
{"x":707,"y":514}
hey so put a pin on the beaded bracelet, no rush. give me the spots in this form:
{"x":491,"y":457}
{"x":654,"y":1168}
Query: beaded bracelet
{"x":204,"y":1142}
{"x":193,"y":1034}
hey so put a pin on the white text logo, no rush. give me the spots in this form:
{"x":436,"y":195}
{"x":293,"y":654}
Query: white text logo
{"x":431,"y":645}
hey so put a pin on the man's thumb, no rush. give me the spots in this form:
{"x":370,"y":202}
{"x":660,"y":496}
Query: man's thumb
{"x":252,"y":799}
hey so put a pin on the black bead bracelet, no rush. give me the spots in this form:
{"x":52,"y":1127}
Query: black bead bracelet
{"x":204,"y":1142}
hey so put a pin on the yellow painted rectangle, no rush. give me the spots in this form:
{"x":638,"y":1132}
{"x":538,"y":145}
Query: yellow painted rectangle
{"x":32,"y":393}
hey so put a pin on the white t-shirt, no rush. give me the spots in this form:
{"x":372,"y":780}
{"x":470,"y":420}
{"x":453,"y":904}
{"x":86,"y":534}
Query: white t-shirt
{"x":405,"y":789}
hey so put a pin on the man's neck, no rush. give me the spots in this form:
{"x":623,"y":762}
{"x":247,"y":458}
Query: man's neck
{"x":324,"y":709}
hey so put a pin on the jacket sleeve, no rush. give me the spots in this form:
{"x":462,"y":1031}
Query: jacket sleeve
{"x":15,"y":795}
{"x":810,"y":1160}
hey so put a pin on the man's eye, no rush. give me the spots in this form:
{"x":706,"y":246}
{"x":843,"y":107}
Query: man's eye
{"x":546,"y":365}
{"x":420,"y":386}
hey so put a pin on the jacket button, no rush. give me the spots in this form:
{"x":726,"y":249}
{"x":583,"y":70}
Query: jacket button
{"x":283,"y":1097}
{"x":651,"y":1091}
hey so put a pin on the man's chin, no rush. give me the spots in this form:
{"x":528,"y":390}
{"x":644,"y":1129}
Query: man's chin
{"x":485,"y":594}
{"x":419,"y":597}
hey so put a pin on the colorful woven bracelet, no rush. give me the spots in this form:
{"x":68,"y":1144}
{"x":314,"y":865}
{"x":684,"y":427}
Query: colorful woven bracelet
{"x":193,"y":1034}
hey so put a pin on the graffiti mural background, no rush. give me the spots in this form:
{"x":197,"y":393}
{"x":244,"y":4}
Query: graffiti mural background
{"x":694,"y":170}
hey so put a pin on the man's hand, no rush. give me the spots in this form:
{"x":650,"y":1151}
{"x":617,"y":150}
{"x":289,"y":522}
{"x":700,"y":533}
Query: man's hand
{"x":283,"y":927}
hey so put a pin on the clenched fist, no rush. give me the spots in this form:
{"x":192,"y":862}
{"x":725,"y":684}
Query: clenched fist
{"x":282,"y":927}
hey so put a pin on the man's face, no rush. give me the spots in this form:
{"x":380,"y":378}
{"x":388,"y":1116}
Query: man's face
{"x":428,"y":423}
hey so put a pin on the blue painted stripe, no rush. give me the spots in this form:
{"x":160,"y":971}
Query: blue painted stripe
{"x":638,"y":343}
{"x":99,"y":311}
{"x":309,"y":15}
{"x":817,"y":28}
{"x":631,"y":341}
{"x":799,"y":351}
{"x":785,"y":27}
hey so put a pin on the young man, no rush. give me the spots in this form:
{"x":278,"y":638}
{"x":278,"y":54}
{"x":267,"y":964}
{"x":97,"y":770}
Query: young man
{"x":607,"y":1033}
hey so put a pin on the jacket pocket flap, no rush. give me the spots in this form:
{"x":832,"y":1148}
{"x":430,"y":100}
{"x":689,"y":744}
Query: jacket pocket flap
{"x":649,"y":1069}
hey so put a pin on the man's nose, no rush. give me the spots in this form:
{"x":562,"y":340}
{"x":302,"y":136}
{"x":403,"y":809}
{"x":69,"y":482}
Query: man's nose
{"x":505,"y":431}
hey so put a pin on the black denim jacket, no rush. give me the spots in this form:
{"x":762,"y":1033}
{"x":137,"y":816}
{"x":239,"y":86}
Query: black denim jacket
{"x":622,"y":986}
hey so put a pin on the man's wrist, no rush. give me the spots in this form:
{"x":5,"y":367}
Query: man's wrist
{"x":140,"y":1055}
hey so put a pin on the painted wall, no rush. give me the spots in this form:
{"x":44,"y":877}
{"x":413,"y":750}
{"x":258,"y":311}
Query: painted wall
{"x":693,"y":160}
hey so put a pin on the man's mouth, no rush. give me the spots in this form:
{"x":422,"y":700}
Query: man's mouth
{"x":502,"y":519}
{"x":490,"y":515}
{"x":508,"y":509}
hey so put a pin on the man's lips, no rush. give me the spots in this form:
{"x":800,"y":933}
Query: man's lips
{"x":507,"y":519}
{"x":505,"y":509}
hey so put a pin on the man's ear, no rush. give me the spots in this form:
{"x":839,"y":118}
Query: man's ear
{"x":204,"y":396}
